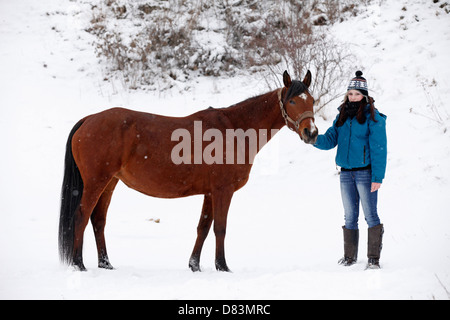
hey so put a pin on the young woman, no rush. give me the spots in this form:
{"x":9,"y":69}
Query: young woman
{"x":359,"y":132}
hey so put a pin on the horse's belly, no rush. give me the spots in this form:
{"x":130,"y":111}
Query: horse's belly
{"x":159,"y":186}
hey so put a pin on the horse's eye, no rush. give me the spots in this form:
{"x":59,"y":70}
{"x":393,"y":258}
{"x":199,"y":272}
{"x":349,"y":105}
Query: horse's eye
{"x":292,"y":102}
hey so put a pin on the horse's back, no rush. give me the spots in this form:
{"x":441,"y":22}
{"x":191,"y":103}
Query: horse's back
{"x":136,"y":147}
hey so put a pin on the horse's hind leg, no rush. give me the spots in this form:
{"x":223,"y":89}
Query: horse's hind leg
{"x":91,"y":194}
{"x":98,"y":220}
{"x":204,"y":225}
{"x":88,"y":202}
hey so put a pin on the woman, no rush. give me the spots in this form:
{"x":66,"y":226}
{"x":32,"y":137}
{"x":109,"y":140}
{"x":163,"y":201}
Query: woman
{"x":359,"y":132}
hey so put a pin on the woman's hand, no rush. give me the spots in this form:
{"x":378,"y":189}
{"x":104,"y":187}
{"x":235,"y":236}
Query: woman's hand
{"x":375,"y":186}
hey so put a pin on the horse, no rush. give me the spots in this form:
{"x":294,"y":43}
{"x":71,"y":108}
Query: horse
{"x":143,"y":151}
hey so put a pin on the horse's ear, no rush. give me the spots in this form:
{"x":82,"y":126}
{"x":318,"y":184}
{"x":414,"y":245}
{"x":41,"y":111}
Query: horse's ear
{"x":307,"y":80}
{"x":286,"y":79}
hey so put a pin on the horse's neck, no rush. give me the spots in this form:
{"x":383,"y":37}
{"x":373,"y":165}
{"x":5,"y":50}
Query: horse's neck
{"x":262,"y":112}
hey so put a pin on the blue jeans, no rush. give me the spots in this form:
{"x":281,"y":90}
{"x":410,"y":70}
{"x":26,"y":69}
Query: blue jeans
{"x":355,"y":187}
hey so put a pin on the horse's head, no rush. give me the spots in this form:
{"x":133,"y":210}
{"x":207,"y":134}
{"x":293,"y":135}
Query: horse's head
{"x":297,"y":107}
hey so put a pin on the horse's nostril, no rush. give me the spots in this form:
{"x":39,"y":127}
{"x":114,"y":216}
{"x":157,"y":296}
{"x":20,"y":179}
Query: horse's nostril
{"x":307,"y":133}
{"x":310,"y":135}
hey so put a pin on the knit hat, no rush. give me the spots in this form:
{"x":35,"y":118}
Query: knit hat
{"x":359,"y":83}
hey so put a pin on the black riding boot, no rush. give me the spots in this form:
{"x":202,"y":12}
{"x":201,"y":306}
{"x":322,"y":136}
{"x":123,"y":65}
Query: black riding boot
{"x":351,"y":238}
{"x":374,"y":245}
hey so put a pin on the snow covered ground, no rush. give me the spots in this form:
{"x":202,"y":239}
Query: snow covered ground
{"x":284,"y":232}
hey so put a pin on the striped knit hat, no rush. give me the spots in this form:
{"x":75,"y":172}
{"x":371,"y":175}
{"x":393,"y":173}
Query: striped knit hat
{"x":359,"y":83}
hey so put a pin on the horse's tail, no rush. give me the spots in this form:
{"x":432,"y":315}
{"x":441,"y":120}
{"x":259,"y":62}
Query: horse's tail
{"x":72,"y":190}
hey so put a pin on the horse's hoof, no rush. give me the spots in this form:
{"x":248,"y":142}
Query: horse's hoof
{"x":194,"y":265}
{"x":195,"y":268}
{"x":105,"y":265}
{"x":222,"y":267}
{"x":79,"y":267}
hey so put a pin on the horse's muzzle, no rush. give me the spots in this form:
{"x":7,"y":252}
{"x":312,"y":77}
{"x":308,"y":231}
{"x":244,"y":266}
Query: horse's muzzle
{"x":309,"y":134}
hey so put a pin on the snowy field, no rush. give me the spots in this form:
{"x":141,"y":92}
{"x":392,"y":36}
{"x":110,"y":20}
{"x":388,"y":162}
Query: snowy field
{"x":284,"y":233}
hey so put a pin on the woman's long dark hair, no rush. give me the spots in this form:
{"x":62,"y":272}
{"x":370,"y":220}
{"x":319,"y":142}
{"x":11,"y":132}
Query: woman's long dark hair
{"x":360,"y":114}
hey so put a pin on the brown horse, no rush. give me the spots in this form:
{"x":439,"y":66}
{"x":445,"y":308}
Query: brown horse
{"x":144,"y":151}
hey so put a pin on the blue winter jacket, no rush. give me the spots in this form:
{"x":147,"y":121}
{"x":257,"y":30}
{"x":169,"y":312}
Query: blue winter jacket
{"x":358,"y":144}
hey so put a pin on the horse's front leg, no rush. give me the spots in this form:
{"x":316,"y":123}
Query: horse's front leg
{"x":221,"y":203}
{"x":204,"y":225}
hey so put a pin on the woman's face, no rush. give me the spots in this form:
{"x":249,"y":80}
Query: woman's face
{"x":354,"y":96}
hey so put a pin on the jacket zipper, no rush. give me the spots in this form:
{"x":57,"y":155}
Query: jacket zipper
{"x":364,"y":155}
{"x":349,"y":141}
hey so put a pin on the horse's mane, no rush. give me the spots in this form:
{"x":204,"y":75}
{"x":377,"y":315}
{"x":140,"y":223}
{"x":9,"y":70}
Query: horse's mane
{"x":296,"y":88}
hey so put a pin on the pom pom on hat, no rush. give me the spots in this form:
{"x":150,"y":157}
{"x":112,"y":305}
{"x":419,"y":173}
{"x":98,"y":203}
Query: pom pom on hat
{"x":359,"y":83}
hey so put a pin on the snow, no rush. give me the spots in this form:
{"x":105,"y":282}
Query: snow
{"x":284,"y":232}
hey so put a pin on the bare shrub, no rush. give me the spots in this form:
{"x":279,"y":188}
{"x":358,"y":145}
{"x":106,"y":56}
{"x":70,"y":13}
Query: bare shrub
{"x":155,"y":44}
{"x":301,"y":48}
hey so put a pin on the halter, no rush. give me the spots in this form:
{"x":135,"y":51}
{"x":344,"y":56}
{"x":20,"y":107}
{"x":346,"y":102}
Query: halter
{"x":288,"y":119}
